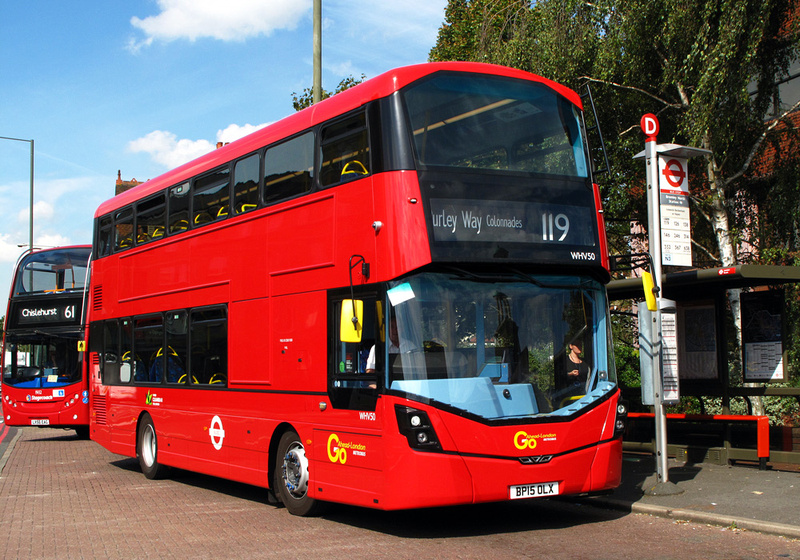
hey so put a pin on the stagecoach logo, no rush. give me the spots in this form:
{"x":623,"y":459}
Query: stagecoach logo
{"x":216,"y":432}
{"x":38,"y":397}
{"x":523,"y":440}
{"x":337,"y":449}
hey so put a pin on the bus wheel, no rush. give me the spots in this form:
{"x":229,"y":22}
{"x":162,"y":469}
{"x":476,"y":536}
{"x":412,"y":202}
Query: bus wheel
{"x":147,"y":449}
{"x":291,"y":476}
{"x":82,"y":432}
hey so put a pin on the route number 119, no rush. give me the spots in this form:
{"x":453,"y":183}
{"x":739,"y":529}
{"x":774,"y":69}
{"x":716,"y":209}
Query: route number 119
{"x":552,"y":225}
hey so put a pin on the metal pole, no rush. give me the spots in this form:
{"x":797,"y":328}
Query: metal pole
{"x":30,"y":231}
{"x":317,"y":86}
{"x":654,"y":234}
{"x":30,"y":237}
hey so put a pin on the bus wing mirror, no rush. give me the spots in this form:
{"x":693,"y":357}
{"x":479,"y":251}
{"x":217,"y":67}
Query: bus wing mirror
{"x":352,"y":320}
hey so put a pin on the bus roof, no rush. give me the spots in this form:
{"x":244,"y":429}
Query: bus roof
{"x":372,"y":89}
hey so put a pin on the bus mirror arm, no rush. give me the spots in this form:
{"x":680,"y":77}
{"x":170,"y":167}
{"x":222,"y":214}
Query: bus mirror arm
{"x":355,"y":312}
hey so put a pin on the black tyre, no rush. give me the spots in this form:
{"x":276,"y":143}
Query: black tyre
{"x":82,"y":432}
{"x":147,"y":449}
{"x":292,"y":476}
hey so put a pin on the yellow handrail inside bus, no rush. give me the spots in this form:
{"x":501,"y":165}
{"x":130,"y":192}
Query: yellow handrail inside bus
{"x":356,"y":169}
{"x":217,"y":378}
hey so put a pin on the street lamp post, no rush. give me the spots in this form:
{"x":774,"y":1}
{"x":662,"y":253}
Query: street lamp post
{"x":30,"y":230}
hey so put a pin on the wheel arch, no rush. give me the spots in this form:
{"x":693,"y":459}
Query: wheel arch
{"x":277,"y":434}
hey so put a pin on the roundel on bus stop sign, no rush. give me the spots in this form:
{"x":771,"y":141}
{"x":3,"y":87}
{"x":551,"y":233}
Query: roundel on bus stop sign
{"x":672,"y":174}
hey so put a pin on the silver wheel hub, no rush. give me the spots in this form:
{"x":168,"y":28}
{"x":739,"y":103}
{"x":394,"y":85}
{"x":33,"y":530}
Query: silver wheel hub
{"x":295,"y":470}
{"x":149,"y":446}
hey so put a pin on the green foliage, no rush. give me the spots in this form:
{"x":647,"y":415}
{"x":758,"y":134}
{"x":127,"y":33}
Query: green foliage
{"x":692,"y":62}
{"x":306,"y":98}
{"x":709,"y":70}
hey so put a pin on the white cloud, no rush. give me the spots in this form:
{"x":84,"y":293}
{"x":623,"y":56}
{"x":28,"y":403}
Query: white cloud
{"x":42,"y":211}
{"x":228,"y":20}
{"x":234,"y":131}
{"x":165,"y":148}
{"x":9,"y":253}
{"x":53,"y":240}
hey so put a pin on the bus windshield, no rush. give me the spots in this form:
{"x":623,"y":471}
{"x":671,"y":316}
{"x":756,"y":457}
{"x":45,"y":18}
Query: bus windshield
{"x":42,"y":361}
{"x":500,"y":346}
{"x":492,"y":123}
{"x":61,"y":270}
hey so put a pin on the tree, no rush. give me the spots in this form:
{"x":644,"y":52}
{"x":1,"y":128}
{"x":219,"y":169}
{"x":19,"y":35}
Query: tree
{"x":707,"y":68}
{"x":306,"y":99}
{"x":693,"y":63}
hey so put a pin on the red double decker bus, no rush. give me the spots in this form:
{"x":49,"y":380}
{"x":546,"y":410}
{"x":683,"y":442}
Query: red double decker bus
{"x":393,"y":299}
{"x":44,"y":375}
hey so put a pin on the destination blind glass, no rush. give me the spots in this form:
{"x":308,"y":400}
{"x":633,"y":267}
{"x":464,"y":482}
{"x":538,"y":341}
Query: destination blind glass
{"x":510,"y":221}
{"x":61,"y":313}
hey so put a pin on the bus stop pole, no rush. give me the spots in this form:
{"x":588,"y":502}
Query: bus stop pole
{"x":654,"y":240}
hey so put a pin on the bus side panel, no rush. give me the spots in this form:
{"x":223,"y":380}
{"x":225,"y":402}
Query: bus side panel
{"x":243,"y":249}
{"x":199,"y":433}
{"x":606,"y":472}
{"x":249,"y":358}
{"x":125,"y":405}
{"x":417,"y":479}
{"x":298,"y":345}
{"x":143,"y":272}
{"x":402,"y":242}
{"x":100,"y":430}
{"x":300,"y":243}
{"x":347,"y":467}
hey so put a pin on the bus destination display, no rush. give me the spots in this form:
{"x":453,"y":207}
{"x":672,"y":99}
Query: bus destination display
{"x":511,"y":221}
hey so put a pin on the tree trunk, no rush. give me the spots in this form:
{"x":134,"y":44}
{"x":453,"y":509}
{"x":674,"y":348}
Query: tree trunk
{"x":727,"y":253}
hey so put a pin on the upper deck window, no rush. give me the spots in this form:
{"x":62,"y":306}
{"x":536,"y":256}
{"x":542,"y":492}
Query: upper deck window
{"x":489,"y":123}
{"x":123,"y":234}
{"x":289,"y":168}
{"x":59,"y":270}
{"x":211,"y":197}
{"x":150,"y":215}
{"x":345,"y":150}
{"x":245,"y":184}
{"x":179,"y":208}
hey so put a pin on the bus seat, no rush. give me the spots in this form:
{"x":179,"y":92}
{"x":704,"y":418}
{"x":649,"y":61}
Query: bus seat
{"x":183,"y":377}
{"x":141,"y":373}
{"x":218,"y":378}
{"x":174,"y":366}
{"x":222,"y":212}
{"x":179,"y":225}
{"x":245,"y":207}
{"x":202,"y":218}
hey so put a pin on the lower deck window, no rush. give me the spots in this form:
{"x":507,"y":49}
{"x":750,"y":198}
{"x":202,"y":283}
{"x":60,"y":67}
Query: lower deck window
{"x":180,"y":347}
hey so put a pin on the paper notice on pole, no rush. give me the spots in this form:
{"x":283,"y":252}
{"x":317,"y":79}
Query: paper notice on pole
{"x":670,"y":388}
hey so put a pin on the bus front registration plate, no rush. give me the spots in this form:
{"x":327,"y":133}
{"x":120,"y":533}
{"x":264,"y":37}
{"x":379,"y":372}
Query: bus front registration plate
{"x":40,"y":422}
{"x":536,"y":490}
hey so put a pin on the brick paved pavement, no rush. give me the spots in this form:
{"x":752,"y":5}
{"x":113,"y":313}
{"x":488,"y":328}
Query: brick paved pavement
{"x":61,"y":497}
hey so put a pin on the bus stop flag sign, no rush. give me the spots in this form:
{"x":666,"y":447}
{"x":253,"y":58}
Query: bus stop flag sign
{"x":676,"y":235}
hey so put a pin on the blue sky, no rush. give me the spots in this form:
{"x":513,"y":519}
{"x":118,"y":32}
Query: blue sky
{"x":142,"y":86}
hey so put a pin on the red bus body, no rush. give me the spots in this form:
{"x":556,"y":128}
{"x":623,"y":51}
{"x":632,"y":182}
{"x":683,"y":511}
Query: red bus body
{"x":256,"y":382}
{"x":44,"y":375}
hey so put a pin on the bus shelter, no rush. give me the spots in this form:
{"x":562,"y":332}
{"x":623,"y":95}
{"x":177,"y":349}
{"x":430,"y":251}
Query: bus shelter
{"x":704,"y":328}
